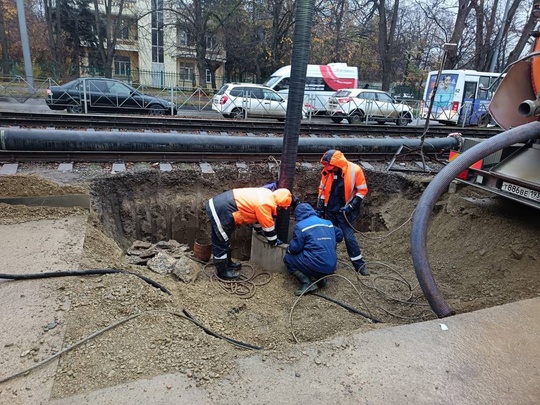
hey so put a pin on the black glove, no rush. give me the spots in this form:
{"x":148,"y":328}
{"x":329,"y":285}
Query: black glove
{"x":295,"y":201}
{"x":355,"y":203}
{"x":320,"y":205}
{"x":319,"y":213}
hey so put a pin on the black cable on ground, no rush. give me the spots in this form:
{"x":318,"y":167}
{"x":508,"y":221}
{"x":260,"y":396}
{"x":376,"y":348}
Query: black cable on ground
{"x":186,"y":316}
{"x":91,"y":272}
{"x":347,"y":307}
{"x":214,"y":334}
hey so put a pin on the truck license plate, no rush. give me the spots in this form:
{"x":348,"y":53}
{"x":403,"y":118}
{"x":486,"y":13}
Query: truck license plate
{"x":521,"y":191}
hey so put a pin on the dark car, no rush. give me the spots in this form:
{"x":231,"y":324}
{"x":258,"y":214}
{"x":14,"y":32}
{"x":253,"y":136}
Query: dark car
{"x":105,"y":95}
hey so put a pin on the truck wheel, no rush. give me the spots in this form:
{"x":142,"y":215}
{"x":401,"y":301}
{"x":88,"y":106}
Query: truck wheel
{"x":337,"y":120}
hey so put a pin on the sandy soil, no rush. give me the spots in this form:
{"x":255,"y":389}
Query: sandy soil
{"x":483,"y":249}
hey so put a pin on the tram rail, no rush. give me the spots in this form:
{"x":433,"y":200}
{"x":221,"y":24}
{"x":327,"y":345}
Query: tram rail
{"x":223,"y":126}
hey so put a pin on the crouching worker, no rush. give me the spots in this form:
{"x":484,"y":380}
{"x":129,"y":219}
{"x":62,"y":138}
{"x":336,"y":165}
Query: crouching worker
{"x":242,"y":206}
{"x":312,"y":251}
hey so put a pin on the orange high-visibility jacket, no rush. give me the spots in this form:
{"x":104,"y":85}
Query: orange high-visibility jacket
{"x":259,"y":205}
{"x":353,"y":179}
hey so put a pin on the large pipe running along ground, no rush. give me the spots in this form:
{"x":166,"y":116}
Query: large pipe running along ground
{"x":435,"y":188}
{"x":16,"y":139}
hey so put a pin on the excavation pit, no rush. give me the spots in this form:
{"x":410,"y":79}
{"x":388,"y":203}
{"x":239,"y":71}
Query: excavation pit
{"x":474,"y":265}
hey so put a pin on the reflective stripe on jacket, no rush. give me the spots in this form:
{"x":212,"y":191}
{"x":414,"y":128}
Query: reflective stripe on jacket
{"x":353,"y":179}
{"x":315,"y":240}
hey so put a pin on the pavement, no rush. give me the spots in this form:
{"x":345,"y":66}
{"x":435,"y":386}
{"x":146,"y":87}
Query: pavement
{"x":490,"y":356}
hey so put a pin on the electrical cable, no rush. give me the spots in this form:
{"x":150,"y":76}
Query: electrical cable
{"x":186,"y":315}
{"x":244,"y":286}
{"x":307,"y":292}
{"x":347,"y":307}
{"x":212,"y":333}
{"x":89,"y":272}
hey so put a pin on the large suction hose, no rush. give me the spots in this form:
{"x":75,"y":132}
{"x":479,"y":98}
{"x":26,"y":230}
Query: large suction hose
{"x":300,"y":56}
{"x":435,"y":188}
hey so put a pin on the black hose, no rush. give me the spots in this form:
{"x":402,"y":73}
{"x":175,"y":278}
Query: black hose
{"x":300,"y":57}
{"x":212,"y":333}
{"x":347,"y":307}
{"x":80,"y":273}
{"x":433,"y":191}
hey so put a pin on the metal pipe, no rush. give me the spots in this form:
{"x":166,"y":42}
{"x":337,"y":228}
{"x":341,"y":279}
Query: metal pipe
{"x":20,"y":139}
{"x":433,"y":191}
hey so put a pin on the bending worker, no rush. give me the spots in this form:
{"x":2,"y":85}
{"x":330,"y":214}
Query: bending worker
{"x":341,"y":192}
{"x":242,"y":206}
{"x":312,"y":251}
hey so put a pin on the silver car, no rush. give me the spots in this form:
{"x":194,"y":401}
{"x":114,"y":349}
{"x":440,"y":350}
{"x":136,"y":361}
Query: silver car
{"x":361,"y":105}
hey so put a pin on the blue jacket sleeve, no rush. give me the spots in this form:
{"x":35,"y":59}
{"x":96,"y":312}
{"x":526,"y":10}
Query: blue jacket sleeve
{"x":297,"y":242}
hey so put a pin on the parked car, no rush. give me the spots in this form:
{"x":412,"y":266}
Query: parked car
{"x":105,"y":95}
{"x":356,"y":105}
{"x":244,"y":100}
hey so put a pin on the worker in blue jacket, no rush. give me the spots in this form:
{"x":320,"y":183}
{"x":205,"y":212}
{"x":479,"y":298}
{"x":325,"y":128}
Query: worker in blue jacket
{"x":312,"y":250}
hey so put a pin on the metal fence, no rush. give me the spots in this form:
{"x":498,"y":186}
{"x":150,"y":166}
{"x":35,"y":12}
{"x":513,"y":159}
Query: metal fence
{"x":186,"y":98}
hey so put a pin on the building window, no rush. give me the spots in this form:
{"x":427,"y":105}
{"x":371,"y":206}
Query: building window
{"x":208,"y":76}
{"x":122,"y":65}
{"x":187,"y":72}
{"x":127,"y":28}
{"x":211,"y":42}
{"x":157,"y":31}
{"x":183,"y":38}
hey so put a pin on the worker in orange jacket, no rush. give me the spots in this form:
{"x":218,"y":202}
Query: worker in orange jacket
{"x":342,"y":189}
{"x":242,"y":206}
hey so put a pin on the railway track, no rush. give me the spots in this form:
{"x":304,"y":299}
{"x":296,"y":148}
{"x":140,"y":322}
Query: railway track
{"x":315,"y":127}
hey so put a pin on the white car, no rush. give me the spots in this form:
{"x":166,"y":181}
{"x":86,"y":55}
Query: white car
{"x":243,"y":100}
{"x":361,"y":105}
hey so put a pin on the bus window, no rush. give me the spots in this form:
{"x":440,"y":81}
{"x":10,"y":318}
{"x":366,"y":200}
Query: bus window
{"x":483,"y":86}
{"x":470,"y":90}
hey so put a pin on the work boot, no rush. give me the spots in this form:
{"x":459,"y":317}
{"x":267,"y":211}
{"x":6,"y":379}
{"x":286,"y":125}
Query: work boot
{"x":361,"y":267}
{"x":322,"y":283}
{"x":305,"y":282}
{"x":223,"y":272}
{"x":232,"y":265}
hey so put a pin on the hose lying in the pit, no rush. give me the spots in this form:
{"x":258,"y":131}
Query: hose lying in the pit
{"x":80,"y":273}
{"x":434,"y":190}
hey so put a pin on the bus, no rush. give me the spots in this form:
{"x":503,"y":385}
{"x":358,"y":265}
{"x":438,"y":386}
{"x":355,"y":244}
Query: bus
{"x":462,"y":97}
{"x":322,"y":81}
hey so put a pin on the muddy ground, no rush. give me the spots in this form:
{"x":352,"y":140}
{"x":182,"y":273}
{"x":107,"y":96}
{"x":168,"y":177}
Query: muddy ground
{"x":483,"y":250}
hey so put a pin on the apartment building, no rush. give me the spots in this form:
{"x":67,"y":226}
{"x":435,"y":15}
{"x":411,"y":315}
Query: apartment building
{"x":153,"y":51}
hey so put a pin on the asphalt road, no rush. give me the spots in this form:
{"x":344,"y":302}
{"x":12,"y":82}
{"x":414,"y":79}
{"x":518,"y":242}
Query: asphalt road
{"x":9,"y":104}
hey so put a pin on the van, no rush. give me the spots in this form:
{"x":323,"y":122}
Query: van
{"x":322,"y":81}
